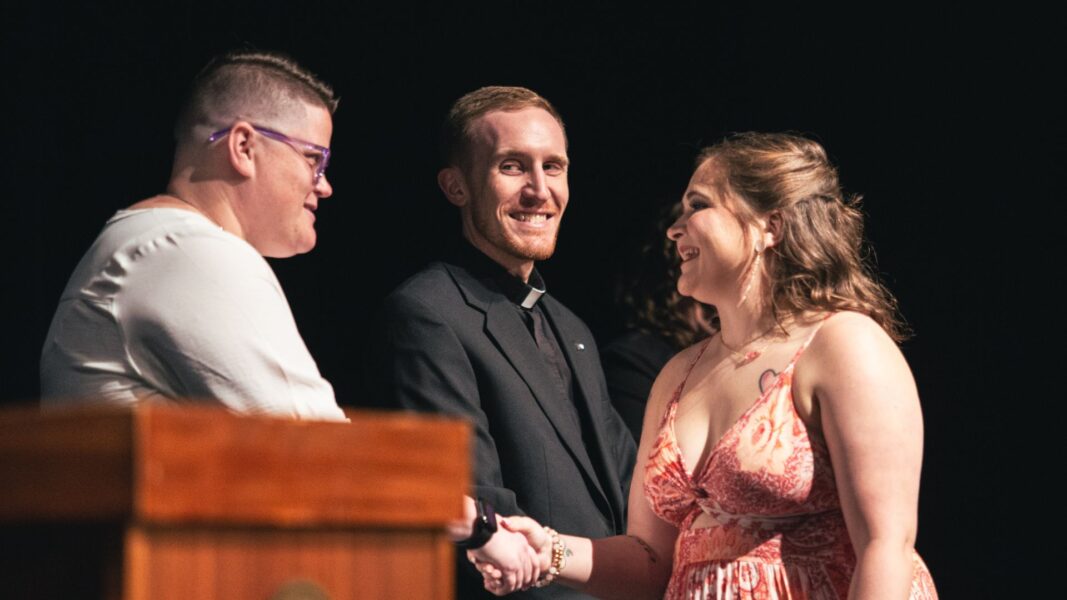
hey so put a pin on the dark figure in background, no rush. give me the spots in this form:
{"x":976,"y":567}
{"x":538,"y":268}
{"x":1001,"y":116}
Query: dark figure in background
{"x":661,"y":323}
{"x":476,"y":336}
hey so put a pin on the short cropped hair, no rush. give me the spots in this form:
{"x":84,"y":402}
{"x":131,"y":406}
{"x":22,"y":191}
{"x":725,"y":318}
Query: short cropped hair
{"x":456,"y":130}
{"x":244,"y":84}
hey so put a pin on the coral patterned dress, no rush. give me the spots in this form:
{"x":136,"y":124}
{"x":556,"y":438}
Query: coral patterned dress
{"x":778,"y":530}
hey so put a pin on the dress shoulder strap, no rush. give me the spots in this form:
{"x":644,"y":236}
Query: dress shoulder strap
{"x":693,"y":362}
{"x":808,"y":341}
{"x":689,"y":369}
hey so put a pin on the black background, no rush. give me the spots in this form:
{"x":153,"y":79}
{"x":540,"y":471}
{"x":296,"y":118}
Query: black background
{"x":945,"y":120}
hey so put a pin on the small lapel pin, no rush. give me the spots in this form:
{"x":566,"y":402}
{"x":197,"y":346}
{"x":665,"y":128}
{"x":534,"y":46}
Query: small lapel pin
{"x":579,"y":345}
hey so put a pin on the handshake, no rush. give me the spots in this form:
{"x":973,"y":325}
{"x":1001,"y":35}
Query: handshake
{"x":512,"y":553}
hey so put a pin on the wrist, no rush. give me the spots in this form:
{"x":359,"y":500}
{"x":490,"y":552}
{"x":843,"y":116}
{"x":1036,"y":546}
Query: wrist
{"x":556,"y":550}
{"x":544,"y":554}
{"x":482,"y":527}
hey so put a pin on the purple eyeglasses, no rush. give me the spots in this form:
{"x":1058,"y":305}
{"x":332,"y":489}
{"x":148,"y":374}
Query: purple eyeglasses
{"x":322,"y":155}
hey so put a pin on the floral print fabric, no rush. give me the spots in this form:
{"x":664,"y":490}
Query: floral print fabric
{"x":777,"y":531}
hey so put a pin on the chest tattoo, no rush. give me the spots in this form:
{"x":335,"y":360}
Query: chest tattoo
{"x":766,"y":380}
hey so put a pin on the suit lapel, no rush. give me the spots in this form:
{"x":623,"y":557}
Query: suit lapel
{"x":585,"y":376}
{"x":574,"y":350}
{"x":505,"y":328}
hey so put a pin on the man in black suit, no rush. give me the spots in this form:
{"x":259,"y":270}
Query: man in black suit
{"x":476,"y":335}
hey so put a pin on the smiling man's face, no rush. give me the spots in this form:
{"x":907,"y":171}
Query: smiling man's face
{"x":517,"y":181}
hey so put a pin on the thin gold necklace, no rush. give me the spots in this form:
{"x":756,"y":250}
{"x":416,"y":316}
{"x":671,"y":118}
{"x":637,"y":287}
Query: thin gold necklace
{"x":751,"y":355}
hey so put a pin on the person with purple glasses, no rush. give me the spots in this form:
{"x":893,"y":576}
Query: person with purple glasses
{"x":174,"y":300}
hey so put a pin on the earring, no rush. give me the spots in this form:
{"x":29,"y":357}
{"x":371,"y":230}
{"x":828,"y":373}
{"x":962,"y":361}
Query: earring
{"x":752,"y":272}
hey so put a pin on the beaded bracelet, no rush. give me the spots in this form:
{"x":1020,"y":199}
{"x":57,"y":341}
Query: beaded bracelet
{"x":559,"y":559}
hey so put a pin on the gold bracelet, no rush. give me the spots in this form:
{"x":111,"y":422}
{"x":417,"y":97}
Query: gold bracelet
{"x":559,"y":559}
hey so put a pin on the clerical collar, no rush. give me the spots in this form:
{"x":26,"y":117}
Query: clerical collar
{"x":522,"y":293}
{"x":527,"y":293}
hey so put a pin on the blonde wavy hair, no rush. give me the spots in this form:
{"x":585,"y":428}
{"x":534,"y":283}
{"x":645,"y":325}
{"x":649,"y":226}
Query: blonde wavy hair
{"x":820,"y":263}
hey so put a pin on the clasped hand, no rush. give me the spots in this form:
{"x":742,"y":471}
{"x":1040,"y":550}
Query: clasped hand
{"x":514,"y":558}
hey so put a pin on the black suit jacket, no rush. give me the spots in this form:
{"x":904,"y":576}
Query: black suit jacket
{"x":453,"y":343}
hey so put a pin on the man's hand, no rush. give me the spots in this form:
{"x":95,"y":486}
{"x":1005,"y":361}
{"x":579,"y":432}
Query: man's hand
{"x":506,"y":562}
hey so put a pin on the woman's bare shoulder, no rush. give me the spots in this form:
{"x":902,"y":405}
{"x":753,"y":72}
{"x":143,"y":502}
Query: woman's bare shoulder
{"x":850,"y":347}
{"x":672,"y":373}
{"x":848,"y":334}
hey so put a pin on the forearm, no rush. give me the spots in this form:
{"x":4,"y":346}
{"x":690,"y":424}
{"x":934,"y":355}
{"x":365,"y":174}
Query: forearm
{"x":615,"y":567}
{"x":884,"y":570}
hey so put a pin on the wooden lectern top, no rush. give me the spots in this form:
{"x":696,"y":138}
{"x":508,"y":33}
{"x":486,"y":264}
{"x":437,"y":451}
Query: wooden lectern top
{"x":164,"y":464}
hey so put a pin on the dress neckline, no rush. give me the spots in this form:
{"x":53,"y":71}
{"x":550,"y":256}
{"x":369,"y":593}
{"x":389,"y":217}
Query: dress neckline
{"x":695,"y":476}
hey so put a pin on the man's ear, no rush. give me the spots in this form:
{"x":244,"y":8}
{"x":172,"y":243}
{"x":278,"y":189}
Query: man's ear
{"x":241,"y":148}
{"x":452,"y":183}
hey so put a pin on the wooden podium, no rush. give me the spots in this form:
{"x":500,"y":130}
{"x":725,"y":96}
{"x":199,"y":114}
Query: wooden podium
{"x":190,"y":502}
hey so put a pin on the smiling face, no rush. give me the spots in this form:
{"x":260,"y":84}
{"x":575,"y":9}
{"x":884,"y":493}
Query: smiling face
{"x":280,"y":221}
{"x":515,"y":190}
{"x":716,"y":249}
